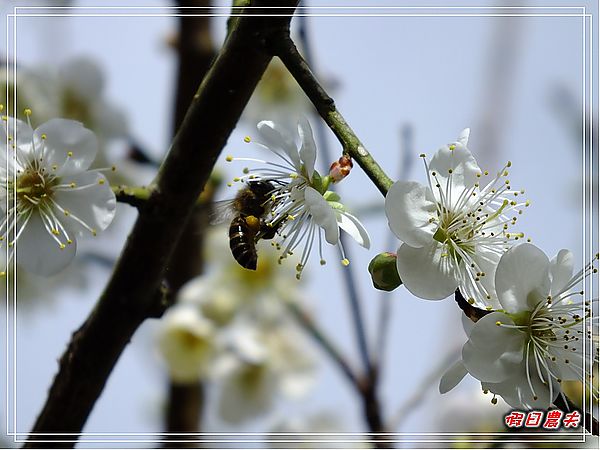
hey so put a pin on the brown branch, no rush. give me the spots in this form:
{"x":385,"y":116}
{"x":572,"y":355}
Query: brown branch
{"x":127,"y":299}
{"x":472,"y":312}
{"x":283,"y":47}
{"x":566,"y":405}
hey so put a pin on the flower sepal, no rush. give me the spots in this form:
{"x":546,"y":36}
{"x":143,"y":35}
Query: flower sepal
{"x":319,"y":183}
{"x":384,"y":274}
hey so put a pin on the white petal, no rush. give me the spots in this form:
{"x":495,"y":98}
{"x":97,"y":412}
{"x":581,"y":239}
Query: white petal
{"x":95,"y":205}
{"x":463,"y":165}
{"x":186,"y":341}
{"x":308,"y":149}
{"x":561,"y":270}
{"x":493,"y":352}
{"x":408,"y":207}
{"x":425,"y":272}
{"x":516,"y":391}
{"x":354,"y":228}
{"x":193,"y":291}
{"x":452,"y":377}
{"x":246,"y":396}
{"x":467,"y":324}
{"x":522,"y":278}
{"x":276,"y":138}
{"x":20,"y":133}
{"x":39,"y":253}
{"x":84,"y":77}
{"x":61,"y":137}
{"x":486,"y":262}
{"x":296,"y":384}
{"x":463,"y":137}
{"x":323,"y":214}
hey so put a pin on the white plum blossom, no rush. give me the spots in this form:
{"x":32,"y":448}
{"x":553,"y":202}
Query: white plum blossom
{"x":454,"y":229}
{"x":302,"y":209}
{"x":524,"y":351}
{"x":47,"y":195}
{"x":187,"y":343}
{"x":263,"y":364}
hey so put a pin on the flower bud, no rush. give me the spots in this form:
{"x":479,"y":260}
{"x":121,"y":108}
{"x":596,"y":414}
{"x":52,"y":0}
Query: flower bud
{"x":340,"y":169}
{"x":384,"y":273}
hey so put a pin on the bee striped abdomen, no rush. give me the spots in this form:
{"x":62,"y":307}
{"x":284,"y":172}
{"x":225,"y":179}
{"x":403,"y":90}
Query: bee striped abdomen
{"x":241,"y":242}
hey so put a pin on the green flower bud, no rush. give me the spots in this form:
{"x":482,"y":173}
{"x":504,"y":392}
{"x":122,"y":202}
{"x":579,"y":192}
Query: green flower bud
{"x":384,"y":273}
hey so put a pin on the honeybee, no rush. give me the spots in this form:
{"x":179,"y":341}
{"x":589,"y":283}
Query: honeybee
{"x":247,"y":212}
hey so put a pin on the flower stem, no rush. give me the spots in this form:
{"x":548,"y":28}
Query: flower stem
{"x":132,"y":195}
{"x":137,"y":196}
{"x":284,"y":47}
{"x":368,"y":385}
{"x":311,"y":328}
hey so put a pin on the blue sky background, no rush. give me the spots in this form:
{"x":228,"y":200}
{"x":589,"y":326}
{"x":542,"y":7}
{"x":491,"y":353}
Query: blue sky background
{"x":431,"y":73}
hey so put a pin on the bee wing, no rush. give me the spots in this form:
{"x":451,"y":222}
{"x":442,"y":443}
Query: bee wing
{"x":222,"y":211}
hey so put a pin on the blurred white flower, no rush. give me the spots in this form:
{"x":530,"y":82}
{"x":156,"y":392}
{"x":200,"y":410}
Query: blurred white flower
{"x":277,"y":95}
{"x":302,"y":209}
{"x":47,"y":195}
{"x":453,"y":231}
{"x":187,"y":343}
{"x":523,"y":352}
{"x":303,"y":428}
{"x":264,"y":363}
{"x":218,"y":303}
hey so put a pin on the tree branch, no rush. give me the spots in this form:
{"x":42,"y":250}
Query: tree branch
{"x":127,"y":299}
{"x":307,"y":323}
{"x":283,"y":47}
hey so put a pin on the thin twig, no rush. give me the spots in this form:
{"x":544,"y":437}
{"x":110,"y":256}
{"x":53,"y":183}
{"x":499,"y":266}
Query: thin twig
{"x":368,"y":385}
{"x":566,"y":405}
{"x":385,"y":299}
{"x":423,"y":389}
{"x":347,"y":271}
{"x":286,"y":50}
{"x":311,"y":328}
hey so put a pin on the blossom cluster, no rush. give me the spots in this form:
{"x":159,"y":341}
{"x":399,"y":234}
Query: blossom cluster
{"x":48,"y":196}
{"x":230,"y":328}
{"x":301,"y":208}
{"x":533,"y":332}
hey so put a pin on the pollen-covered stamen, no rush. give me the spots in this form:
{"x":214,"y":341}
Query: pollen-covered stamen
{"x":69,"y":214}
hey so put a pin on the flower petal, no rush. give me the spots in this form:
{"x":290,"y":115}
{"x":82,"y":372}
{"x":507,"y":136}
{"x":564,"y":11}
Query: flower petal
{"x":522,"y":278}
{"x":276,"y":138}
{"x":425,"y":272}
{"x":18,"y":131}
{"x":516,"y":391}
{"x":408,"y":207}
{"x":68,"y":145}
{"x":461,"y":163}
{"x":485,"y":262}
{"x":354,"y":228}
{"x":452,"y":377}
{"x":493,"y":352}
{"x":463,"y":137}
{"x":90,"y":202}
{"x":39,"y":253}
{"x":323,"y":214}
{"x":83,"y":77}
{"x":561,"y":271}
{"x":308,"y":148}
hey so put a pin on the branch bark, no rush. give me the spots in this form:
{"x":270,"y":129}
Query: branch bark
{"x":127,"y":299}
{"x":195,"y":53}
{"x":286,"y":50}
